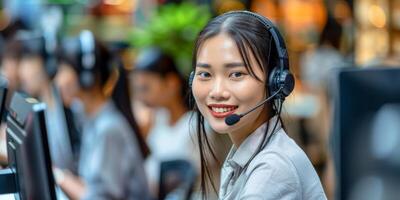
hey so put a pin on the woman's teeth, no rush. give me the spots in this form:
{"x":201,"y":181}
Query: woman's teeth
{"x":222,"y":110}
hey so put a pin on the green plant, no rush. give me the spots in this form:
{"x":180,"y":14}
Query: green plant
{"x":173,"y":28}
{"x":61,"y":1}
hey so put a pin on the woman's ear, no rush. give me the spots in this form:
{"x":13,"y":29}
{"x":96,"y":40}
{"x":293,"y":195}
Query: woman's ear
{"x":109,"y":86}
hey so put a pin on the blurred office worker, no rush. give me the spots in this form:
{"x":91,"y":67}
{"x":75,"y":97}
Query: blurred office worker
{"x":9,"y":69}
{"x":37,"y":68}
{"x":159,"y":85}
{"x":112,"y":151}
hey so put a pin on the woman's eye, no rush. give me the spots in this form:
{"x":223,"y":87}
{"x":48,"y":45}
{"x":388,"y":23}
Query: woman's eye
{"x":203,"y":74}
{"x":236,"y":74}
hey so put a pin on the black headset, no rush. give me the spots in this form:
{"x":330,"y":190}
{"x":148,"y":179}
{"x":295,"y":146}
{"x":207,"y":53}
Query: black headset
{"x":281,"y":81}
{"x":49,"y":52}
{"x":87,"y":62}
{"x":86,"y":58}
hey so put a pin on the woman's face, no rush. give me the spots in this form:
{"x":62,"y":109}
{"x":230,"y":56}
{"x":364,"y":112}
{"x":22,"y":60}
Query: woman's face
{"x":67,"y":82}
{"x":9,"y":69}
{"x":152,"y":89}
{"x":32,"y":75}
{"x":223,"y":86}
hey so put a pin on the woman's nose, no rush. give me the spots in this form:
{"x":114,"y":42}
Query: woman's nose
{"x":219,"y":91}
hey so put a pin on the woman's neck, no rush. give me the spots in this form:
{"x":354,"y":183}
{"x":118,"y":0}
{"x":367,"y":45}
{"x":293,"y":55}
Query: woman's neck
{"x":239,"y":135}
{"x":93,"y":102}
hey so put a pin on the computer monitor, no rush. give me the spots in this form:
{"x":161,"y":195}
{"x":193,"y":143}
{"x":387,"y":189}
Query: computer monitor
{"x":3,"y":96}
{"x":28,"y":150}
{"x":366,"y":139}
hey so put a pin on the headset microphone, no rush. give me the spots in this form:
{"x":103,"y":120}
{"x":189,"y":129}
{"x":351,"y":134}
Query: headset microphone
{"x":235,"y":118}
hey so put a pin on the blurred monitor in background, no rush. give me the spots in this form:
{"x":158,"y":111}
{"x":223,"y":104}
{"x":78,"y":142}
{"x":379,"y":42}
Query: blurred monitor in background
{"x":366,"y":138}
{"x":3,"y":96}
{"x":28,"y":150}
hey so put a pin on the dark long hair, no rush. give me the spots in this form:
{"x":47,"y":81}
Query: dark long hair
{"x":251,"y":38}
{"x":105,"y":65}
{"x":122,"y":100}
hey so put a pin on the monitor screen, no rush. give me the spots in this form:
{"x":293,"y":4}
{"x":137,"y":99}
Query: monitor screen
{"x":366,"y":137}
{"x":3,"y":96}
{"x":28,"y":151}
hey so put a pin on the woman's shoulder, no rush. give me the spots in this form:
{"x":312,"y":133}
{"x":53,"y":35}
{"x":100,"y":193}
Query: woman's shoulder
{"x":286,"y":158}
{"x":112,"y":122}
{"x":277,"y":163}
{"x":291,"y":150}
{"x":272,"y":168}
{"x":281,"y":153}
{"x":288,"y":177}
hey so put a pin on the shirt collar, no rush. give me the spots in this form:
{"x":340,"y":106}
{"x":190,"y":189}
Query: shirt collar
{"x":240,"y":156}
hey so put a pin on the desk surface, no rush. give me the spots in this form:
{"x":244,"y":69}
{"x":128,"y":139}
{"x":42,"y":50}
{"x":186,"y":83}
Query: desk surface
{"x":60,"y":195}
{"x":7,"y":197}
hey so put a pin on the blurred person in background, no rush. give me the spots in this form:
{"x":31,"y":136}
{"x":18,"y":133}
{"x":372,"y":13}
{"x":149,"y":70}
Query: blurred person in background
{"x":159,"y":85}
{"x":9,"y":69}
{"x":10,"y":58}
{"x":112,"y":151}
{"x":73,"y":109}
{"x":317,"y":72}
{"x":9,"y":65}
{"x":317,"y":64}
{"x":37,"y":69}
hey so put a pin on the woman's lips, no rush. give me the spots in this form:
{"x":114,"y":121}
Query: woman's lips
{"x":222,"y":110}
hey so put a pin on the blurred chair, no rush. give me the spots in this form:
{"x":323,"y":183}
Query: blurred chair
{"x":177,"y":179}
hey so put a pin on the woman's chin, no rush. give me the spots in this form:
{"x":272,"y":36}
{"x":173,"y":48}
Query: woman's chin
{"x":220,"y":127}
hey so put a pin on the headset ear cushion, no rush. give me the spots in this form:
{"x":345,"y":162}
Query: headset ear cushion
{"x":272,"y":82}
{"x":286,"y":79}
{"x":278,"y":79}
{"x":191,"y":77}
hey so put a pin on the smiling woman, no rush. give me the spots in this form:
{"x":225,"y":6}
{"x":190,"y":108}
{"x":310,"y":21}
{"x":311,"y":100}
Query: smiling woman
{"x":239,"y":61}
{"x":222,"y":87}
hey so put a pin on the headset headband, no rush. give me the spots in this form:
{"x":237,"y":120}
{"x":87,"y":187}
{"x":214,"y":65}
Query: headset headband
{"x":276,"y":36}
{"x":86,"y":40}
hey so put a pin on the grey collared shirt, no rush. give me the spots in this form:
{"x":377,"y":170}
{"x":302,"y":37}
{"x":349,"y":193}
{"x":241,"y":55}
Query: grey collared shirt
{"x":281,"y":170}
{"x":111,"y":164}
{"x":58,"y":136}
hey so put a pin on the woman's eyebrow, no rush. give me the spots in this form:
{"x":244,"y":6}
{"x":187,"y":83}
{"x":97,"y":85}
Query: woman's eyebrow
{"x":203,"y":65}
{"x":234,"y":64}
{"x":227,"y":65}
